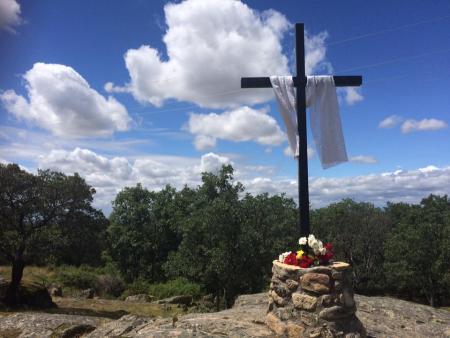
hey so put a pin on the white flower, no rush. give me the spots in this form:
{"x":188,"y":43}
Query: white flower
{"x":323,"y":251}
{"x":283,"y":256}
{"x":320,"y":244}
{"x":315,"y":247}
{"x":302,"y":241}
{"x":311,"y":239}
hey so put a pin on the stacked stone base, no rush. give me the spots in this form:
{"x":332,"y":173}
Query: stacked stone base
{"x":313,"y":302}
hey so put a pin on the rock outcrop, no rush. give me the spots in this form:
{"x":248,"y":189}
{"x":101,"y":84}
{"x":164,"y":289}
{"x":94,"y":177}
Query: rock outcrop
{"x":383,"y":317}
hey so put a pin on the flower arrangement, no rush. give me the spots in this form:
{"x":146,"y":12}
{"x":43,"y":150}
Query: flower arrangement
{"x":312,"y":252}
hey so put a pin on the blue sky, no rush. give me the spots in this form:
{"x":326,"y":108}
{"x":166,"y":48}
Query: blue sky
{"x":148,"y":91}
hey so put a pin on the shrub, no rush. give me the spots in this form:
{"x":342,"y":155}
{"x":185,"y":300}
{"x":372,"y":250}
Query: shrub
{"x":109,"y":285}
{"x":139,"y":286}
{"x":179,"y":286}
{"x":81,"y":277}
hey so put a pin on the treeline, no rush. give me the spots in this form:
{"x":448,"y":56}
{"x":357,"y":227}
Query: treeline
{"x":219,"y":237}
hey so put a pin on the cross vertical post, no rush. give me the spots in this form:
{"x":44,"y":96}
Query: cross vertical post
{"x":300,"y":82}
{"x":303,"y":190}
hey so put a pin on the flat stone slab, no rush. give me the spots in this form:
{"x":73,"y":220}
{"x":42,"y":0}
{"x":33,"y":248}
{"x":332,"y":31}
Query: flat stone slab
{"x":383,"y":317}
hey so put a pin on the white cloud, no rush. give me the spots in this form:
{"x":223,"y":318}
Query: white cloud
{"x":241,"y":124}
{"x":390,"y":121}
{"x":212,"y":162}
{"x":9,"y":15}
{"x":408,"y":186}
{"x":423,"y":125}
{"x":204,"y":142}
{"x":210,"y":45}
{"x":61,"y":101}
{"x":315,"y":53}
{"x":363,"y":159}
{"x":352,"y":96}
{"x":310,"y":151}
{"x":109,"y":174}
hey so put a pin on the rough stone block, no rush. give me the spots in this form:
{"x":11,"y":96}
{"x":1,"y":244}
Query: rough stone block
{"x":291,"y":284}
{"x":275,"y":324}
{"x":310,"y":319}
{"x":294,"y":330}
{"x":280,"y":301}
{"x":304,"y":301}
{"x":315,"y":282}
{"x":336,"y":312}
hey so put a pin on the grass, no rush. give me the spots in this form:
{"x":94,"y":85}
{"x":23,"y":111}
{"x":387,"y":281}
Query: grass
{"x":105,"y":308}
{"x":113,"y":309}
{"x":31,"y":274}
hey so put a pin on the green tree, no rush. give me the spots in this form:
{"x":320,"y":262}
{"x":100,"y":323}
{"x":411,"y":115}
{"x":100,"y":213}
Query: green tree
{"x":358,"y":232}
{"x":33,"y":212}
{"x":418,"y":250}
{"x":140,"y":233}
{"x":269,"y":227}
{"x":211,"y":251}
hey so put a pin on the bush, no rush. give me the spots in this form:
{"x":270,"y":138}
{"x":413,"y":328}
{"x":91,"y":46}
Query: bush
{"x":139,"y":286}
{"x":108,"y":285}
{"x":179,"y":286}
{"x":82,"y":277}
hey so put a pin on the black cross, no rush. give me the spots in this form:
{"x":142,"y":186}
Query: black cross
{"x":300,"y":84}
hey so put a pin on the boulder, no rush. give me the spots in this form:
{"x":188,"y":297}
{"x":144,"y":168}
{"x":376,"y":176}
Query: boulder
{"x":55,"y":290}
{"x":142,"y":298}
{"x":88,"y":293}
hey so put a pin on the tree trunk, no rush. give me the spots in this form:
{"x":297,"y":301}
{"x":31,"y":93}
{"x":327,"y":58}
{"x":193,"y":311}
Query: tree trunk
{"x":12,"y":294}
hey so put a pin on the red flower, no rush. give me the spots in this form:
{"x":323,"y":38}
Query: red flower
{"x":291,"y":259}
{"x":306,"y":262}
{"x":328,"y":246}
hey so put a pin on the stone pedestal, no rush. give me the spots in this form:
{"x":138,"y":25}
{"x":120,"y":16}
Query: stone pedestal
{"x":313,"y":302}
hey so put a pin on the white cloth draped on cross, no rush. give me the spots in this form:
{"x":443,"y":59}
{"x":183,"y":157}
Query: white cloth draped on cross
{"x":324,"y":116}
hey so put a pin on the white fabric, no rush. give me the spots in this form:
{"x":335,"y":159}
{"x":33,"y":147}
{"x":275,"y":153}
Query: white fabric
{"x":283,"y":87}
{"x":324,"y":116}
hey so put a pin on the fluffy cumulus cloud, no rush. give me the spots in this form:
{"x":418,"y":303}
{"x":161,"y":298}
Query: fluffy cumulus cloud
{"x":210,"y":45}
{"x":212,"y":162}
{"x":408,"y":186}
{"x":241,"y":124}
{"x":60,"y":100}
{"x":110,"y":174}
{"x":390,"y":122}
{"x":9,"y":15}
{"x":353,"y":96}
{"x":411,"y":125}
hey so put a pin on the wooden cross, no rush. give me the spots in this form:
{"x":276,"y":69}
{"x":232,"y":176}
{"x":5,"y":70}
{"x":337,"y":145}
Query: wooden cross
{"x":300,"y":84}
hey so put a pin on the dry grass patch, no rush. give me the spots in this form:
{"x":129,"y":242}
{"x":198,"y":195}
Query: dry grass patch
{"x":112,"y":308}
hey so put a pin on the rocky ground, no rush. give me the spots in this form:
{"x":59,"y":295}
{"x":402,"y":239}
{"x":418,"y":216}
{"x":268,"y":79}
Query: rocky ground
{"x":382,"y":317}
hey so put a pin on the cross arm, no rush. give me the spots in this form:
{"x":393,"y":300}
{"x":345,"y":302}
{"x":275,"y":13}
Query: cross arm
{"x":264,"y":82}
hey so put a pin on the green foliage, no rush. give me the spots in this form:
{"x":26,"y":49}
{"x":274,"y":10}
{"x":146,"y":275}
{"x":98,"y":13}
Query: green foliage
{"x":139,"y":286}
{"x":179,"y":286}
{"x":358,"y":232}
{"x":82,"y":277}
{"x":418,"y":250}
{"x":140,"y":234}
{"x":85,"y":277}
{"x":39,"y":219}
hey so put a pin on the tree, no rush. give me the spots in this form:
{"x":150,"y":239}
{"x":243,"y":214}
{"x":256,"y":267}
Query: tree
{"x":33,"y":211}
{"x":269,"y":227}
{"x":358,"y":232}
{"x":418,"y":250}
{"x":211,"y":251}
{"x":140,"y":233}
